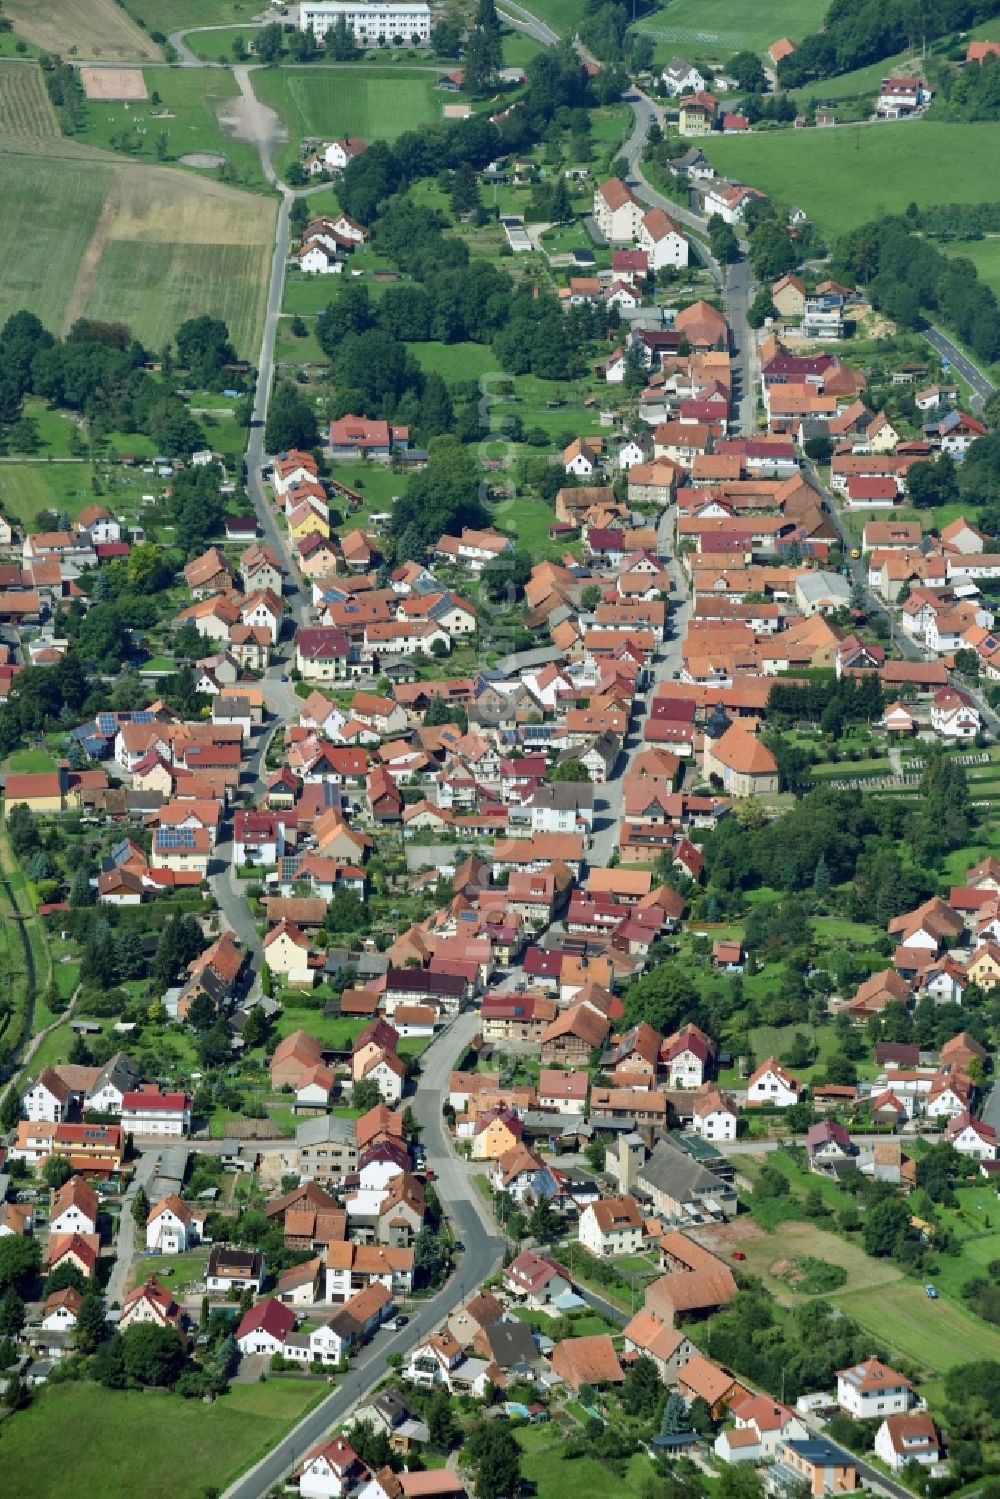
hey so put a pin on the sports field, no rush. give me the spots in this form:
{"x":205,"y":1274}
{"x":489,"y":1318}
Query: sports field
{"x":25,"y":107}
{"x":183,"y":110}
{"x":369,"y":102}
{"x":144,"y":245}
{"x":718,"y":28}
{"x":844,"y":177}
{"x":89,"y":28}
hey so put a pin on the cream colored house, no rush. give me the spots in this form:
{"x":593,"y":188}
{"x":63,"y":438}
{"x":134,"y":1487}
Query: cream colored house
{"x":286,"y":949}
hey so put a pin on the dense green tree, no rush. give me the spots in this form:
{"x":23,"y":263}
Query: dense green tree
{"x":56,"y":1171}
{"x":20,"y":1261}
{"x":291,"y":421}
{"x":204,"y":347}
{"x":91,"y":1323}
{"x":12,"y":1314}
{"x":748,"y":71}
{"x":495,"y":1457}
{"x":886,"y":1225}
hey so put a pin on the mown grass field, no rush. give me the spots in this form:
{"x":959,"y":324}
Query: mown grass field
{"x":936,"y":1335}
{"x":130,"y":1435}
{"x":97,"y":29}
{"x":171,"y":15}
{"x":454,"y":361}
{"x":372,"y":102}
{"x":142,"y":245}
{"x":842,"y":178}
{"x":718,"y":28}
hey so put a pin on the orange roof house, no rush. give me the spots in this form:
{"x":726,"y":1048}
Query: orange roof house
{"x":591,"y":1360}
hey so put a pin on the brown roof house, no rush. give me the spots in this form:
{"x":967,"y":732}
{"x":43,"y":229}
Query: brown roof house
{"x":740,"y":763}
{"x":592,"y":1361}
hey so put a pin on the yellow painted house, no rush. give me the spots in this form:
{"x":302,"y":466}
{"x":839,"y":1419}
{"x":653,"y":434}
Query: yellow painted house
{"x":41,"y":791}
{"x":697,"y":114}
{"x":983,"y":968}
{"x":286,"y":948}
{"x":494,"y":1139}
{"x":304,"y":520}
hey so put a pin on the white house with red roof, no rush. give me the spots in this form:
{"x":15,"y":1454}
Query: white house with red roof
{"x":871,"y":1389}
{"x":173,"y":1226}
{"x":971,"y":1137}
{"x":773,"y":1084}
{"x":264,"y":1328}
{"x":536,"y":1280}
{"x":686,"y":1056}
{"x":954,"y":714}
{"x":332,"y":1470}
{"x":148,"y":1112}
{"x":773,"y":1424}
{"x":912,"y":1438}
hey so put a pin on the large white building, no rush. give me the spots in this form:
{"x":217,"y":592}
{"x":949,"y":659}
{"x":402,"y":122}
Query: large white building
{"x":372,"y":24}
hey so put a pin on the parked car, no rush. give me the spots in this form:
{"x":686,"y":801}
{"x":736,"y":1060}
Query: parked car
{"x":931,"y":1292}
{"x":399,"y":1323}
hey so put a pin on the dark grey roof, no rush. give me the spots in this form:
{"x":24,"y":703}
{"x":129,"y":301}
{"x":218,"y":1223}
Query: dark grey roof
{"x":512,"y":1343}
{"x":564,"y":796}
{"x":672,"y":1170}
{"x":326,"y":1129}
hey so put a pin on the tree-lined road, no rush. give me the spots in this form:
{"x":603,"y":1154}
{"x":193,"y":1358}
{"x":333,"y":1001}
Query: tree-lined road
{"x":977,"y":382}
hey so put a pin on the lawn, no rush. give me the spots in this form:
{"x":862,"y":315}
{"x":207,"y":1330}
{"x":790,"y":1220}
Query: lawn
{"x":528,"y":521}
{"x":465,"y":361}
{"x":372,"y":102}
{"x":30,"y":761}
{"x":193,"y":103}
{"x":142,"y":245}
{"x":842,"y":178}
{"x":717,"y":28}
{"x":334,"y":1032}
{"x":985,"y":256}
{"x":553,"y":1477}
{"x":129,"y":1436}
{"x":99,"y":29}
{"x":177,"y":1271}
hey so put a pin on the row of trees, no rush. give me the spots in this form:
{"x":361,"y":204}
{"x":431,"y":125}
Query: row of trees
{"x":555,"y":82}
{"x":858,"y":32}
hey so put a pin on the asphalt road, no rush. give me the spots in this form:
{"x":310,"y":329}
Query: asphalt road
{"x":735,"y":281}
{"x":981,"y":388}
{"x":522,"y":20}
{"x":609,"y":806}
{"x":482,"y":1256}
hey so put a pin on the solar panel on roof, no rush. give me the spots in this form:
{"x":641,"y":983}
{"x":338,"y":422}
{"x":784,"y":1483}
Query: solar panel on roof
{"x":175,"y":838}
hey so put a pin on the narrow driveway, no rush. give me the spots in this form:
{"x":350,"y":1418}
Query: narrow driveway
{"x":145,"y":1170}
